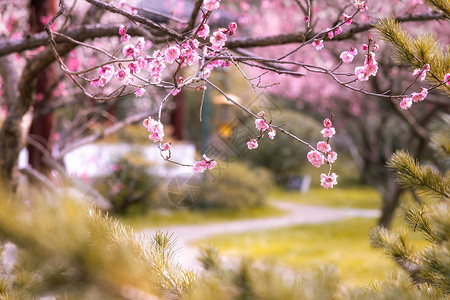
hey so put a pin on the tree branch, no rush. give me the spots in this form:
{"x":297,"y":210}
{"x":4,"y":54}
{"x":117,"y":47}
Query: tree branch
{"x":296,"y":37}
{"x":80,"y":34}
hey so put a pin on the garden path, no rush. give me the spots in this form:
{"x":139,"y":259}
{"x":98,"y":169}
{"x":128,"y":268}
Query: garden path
{"x":296,"y":214}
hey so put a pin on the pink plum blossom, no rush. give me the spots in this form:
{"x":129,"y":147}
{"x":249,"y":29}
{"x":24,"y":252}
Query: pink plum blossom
{"x":124,"y":76}
{"x":447,"y":79}
{"x":328,"y":181}
{"x":328,"y":132}
{"x":211,"y":4}
{"x":122,"y":29}
{"x":318,"y":44}
{"x":203,"y":32}
{"x":107,"y":71}
{"x":218,"y":40}
{"x":128,"y":50}
{"x":331,"y":157}
{"x":232,"y":28}
{"x":271,"y":133}
{"x":346,"y":57}
{"x":205,"y":164}
{"x":155,"y":128}
{"x":327,"y":123}
{"x":330,"y":33}
{"x":353,"y":51}
{"x":134,"y":68}
{"x":406,"y":103}
{"x":99,"y":81}
{"x":139,"y":92}
{"x":166,"y":147}
{"x":315,"y":158}
{"x":365,"y":47}
{"x":261,"y":124}
{"x":323,"y":146}
{"x":125,"y":38}
{"x":348,"y":20}
{"x":252,"y":144}
{"x":172,"y":53}
{"x":338,"y":31}
{"x":200,"y":167}
{"x":416,"y":97}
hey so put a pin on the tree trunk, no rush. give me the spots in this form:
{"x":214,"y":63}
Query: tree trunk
{"x":390,"y":202}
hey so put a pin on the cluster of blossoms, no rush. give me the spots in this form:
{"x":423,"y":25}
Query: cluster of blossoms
{"x":263,"y":128}
{"x":211,"y":4}
{"x":155,"y":128}
{"x":323,"y":154}
{"x":347,"y":56}
{"x":106,"y":73}
{"x":370,"y":67}
{"x":415,"y":97}
{"x":204,"y":164}
{"x":422,"y":72}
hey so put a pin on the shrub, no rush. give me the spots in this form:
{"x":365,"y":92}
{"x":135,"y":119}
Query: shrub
{"x":236,"y":186}
{"x":131,"y":187}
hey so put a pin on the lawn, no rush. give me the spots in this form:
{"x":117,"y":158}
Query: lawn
{"x":180,"y":217}
{"x":342,"y":243}
{"x":356,"y":197}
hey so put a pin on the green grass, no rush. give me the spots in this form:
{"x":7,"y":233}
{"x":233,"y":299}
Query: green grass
{"x":184,"y":217}
{"x":342,"y":243}
{"x":356,"y":197}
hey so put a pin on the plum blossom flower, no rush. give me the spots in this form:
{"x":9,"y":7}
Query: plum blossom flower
{"x":318,"y":44}
{"x":422,"y":72}
{"x":327,"y":123}
{"x":166,"y":147}
{"x":328,"y":181}
{"x":261,"y":114}
{"x":107,"y":71}
{"x":315,"y":158}
{"x":331,"y":157}
{"x":203,"y":32}
{"x":271,"y":133}
{"x":365,"y":47}
{"x":346,"y":57}
{"x":99,"y":81}
{"x":122,"y":29}
{"x":328,"y":132}
{"x":211,"y":4}
{"x":128,"y":50}
{"x":124,"y":76}
{"x":338,"y":31}
{"x":252,"y":144}
{"x":447,"y":79}
{"x":218,"y":40}
{"x":155,"y":128}
{"x":348,"y":20}
{"x":416,"y":97}
{"x":139,"y":92}
{"x":203,"y":165}
{"x":172,"y":53}
{"x":134,"y":68}
{"x":353,"y":51}
{"x":323,"y":146}
{"x":125,"y":38}
{"x":232,"y":28}
{"x":406,"y":103}
{"x":261,"y":124}
{"x":330,"y":33}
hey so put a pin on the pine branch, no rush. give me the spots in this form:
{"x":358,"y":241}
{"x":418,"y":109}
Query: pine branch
{"x":426,"y":181}
{"x":395,"y":245}
{"x":417,"y":51}
{"x":441,"y":6}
